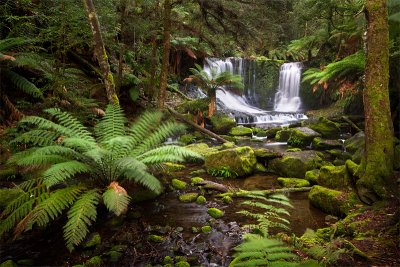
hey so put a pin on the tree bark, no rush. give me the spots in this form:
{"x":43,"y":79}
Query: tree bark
{"x":100,"y":52}
{"x":165,"y":58}
{"x":211,"y":106}
{"x":376,"y":170}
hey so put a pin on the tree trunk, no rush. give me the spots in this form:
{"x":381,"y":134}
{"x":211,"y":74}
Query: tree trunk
{"x":211,"y":106}
{"x":100,"y":52}
{"x":153,"y":70}
{"x":376,"y":170}
{"x":165,"y":58}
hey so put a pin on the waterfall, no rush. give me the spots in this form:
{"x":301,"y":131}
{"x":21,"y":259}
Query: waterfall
{"x":287,"y":98}
{"x":244,"y":108}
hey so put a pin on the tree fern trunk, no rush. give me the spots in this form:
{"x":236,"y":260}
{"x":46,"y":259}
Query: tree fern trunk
{"x":211,"y":106}
{"x":165,"y":58}
{"x":376,"y":170}
{"x":100,"y":52}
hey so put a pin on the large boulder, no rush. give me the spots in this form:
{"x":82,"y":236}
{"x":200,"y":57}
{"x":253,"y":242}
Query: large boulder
{"x":325,"y":144}
{"x":201,"y":148}
{"x":241,"y":131}
{"x":355,"y":142}
{"x":240,"y":161}
{"x":295,"y":164}
{"x":222,"y":123}
{"x":293,"y":182}
{"x":301,"y":137}
{"x":326,"y":128}
{"x":332,"y":201}
{"x":283,"y":135}
{"x":265,"y":153}
{"x":334,"y":177}
{"x":312,"y":176}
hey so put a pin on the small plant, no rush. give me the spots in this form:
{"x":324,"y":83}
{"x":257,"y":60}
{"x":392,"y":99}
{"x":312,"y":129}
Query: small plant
{"x":81,"y":170}
{"x":223,"y":171}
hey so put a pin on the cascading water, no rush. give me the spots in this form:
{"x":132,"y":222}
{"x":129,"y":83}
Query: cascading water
{"x":244,"y":108}
{"x":287,"y":98}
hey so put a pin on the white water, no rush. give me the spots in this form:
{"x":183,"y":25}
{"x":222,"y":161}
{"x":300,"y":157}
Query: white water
{"x":287,"y":98}
{"x":287,"y":101}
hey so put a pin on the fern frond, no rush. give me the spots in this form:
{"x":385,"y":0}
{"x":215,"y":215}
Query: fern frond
{"x":37,"y":138}
{"x":22,"y":83}
{"x":62,"y":171}
{"x":181,"y":153}
{"x":116,"y":199}
{"x":79,"y":144}
{"x":111,"y":125}
{"x":12,"y":43}
{"x":140,"y":129}
{"x":44,"y":124}
{"x":80,"y":217}
{"x":32,"y":193}
{"x":8,"y":223}
{"x":67,"y":120}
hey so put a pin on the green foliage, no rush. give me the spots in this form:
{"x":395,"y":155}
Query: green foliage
{"x":223,"y":171}
{"x":82,"y":169}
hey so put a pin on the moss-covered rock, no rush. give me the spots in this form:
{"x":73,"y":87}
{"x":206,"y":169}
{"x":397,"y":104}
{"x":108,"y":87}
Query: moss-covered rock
{"x":228,"y":145}
{"x":201,"y":200}
{"x":114,"y":256}
{"x":325,"y":144}
{"x":293,"y":182}
{"x":182,"y":264}
{"x":215,"y":213}
{"x":241,"y":131}
{"x":187,"y":139}
{"x":222,"y":124}
{"x":94,"y":262}
{"x":227,"y":199}
{"x":283,"y":135}
{"x":156,"y":238}
{"x":312,"y":176}
{"x":301,"y":137}
{"x":7,"y":195}
{"x":168,"y":260}
{"x":332,"y":201}
{"x":94,"y":240}
{"x":260,"y":168}
{"x":271,"y":132}
{"x":196,"y":180}
{"x":229,"y":138}
{"x":261,"y":133}
{"x":241,"y":161}
{"x":326,"y":128}
{"x":397,"y":157}
{"x":339,"y":154}
{"x":173,"y":167}
{"x":188,"y":197}
{"x":294,"y":149}
{"x":206,"y":229}
{"x":265,"y":153}
{"x":295,"y":164}
{"x":354,"y":143}
{"x":334,"y":177}
{"x":178,"y":184}
{"x":201,"y":148}
{"x":8,"y":263}
{"x":352,"y":167}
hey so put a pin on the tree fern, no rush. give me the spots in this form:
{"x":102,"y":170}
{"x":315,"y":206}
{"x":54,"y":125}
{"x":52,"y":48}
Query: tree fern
{"x":116,"y":199}
{"x":112,"y":124}
{"x":60,"y":172}
{"x":80,"y":217}
{"x":22,"y":83}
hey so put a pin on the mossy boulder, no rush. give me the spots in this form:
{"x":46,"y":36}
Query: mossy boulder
{"x":201,"y":148}
{"x":94,"y":262}
{"x":325,"y":144}
{"x":260,"y":168}
{"x":178,"y":184}
{"x":93,"y":241}
{"x":293,"y":182}
{"x":354,"y":143}
{"x":339,"y":154}
{"x":397,"y":157}
{"x":271,"y":132}
{"x":215,"y":213}
{"x":241,"y":131}
{"x":227,"y":200}
{"x":312,"y":176}
{"x":352,"y":168}
{"x":283,"y":135}
{"x":301,"y":137}
{"x":196,"y":180}
{"x":182,"y":264}
{"x":114,"y":256}
{"x":295,"y":164}
{"x":334,"y":177}
{"x":187,"y":139}
{"x":188,"y":197}
{"x":7,"y":195}
{"x":228,"y":145}
{"x":261,"y":134}
{"x":332,"y":201}
{"x":222,"y":124}
{"x":168,"y":260}
{"x":265,"y":153}
{"x":240,"y":160}
{"x":201,"y":200}
{"x":173,"y":167}
{"x":294,"y":149}
{"x":326,"y":128}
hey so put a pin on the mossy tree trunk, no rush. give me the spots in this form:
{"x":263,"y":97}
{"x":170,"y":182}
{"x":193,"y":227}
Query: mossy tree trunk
{"x":100,"y":52}
{"x":212,"y":105}
{"x":376,"y":170}
{"x":166,"y":51}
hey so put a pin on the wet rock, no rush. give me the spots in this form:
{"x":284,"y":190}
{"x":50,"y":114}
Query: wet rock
{"x":188,"y":197}
{"x":339,"y":154}
{"x":178,"y":184}
{"x":222,"y":124}
{"x":94,"y":240}
{"x":7,"y":195}
{"x":201,"y":200}
{"x":201,"y":148}
{"x":240,"y":161}
{"x":94,"y":262}
{"x":334,"y":177}
{"x":293,"y":182}
{"x":325,"y":144}
{"x":295,"y":164}
{"x":283,"y":135}
{"x":241,"y":131}
{"x":8,"y":263}
{"x":173,"y":167}
{"x":265,"y":153}
{"x":301,"y":137}
{"x":312,"y":176}
{"x":271,"y":132}
{"x":215,"y":213}
{"x":331,"y":201}
{"x":326,"y":128}
{"x":355,"y":142}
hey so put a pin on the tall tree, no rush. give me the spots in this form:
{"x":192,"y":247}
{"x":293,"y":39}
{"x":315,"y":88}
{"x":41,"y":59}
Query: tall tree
{"x":166,"y":52}
{"x":376,"y":170}
{"x":100,"y":52}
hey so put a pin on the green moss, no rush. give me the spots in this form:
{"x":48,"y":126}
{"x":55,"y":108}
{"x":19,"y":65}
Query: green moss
{"x":397,"y":158}
{"x":94,"y":262}
{"x":189,"y":197}
{"x":352,"y":167}
{"x":192,"y":106}
{"x":198,"y":172}
{"x":301,"y":137}
{"x":241,"y":131}
{"x":215,"y":213}
{"x":26,"y":262}
{"x":178,"y":184}
{"x":271,"y":132}
{"x":228,"y":145}
{"x":173,"y":167}
{"x":201,"y":200}
{"x":8,"y":195}
{"x":296,"y":149}
{"x":187,"y":139}
{"x":334,"y":177}
{"x":295,"y":164}
{"x":206,"y":229}
{"x":201,"y":148}
{"x":283,"y":135}
{"x":182,"y":264}
{"x":114,"y":256}
{"x":227,"y":199}
{"x":168,"y":265}
{"x":119,"y":248}
{"x":309,"y":238}
{"x":262,"y":133}
{"x":8,"y":263}
{"x":260,"y":168}
{"x":324,"y":144}
{"x":168,"y":260}
{"x":293,"y":182}
{"x":326,"y":128}
{"x":94,"y":240}
{"x":222,"y":123}
{"x":266,"y":153}
{"x":156,"y":238}
{"x":196,"y":180}
{"x":312,"y":176}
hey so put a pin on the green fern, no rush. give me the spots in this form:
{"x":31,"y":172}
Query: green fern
{"x":13,"y":43}
{"x":82,"y":169}
{"x":22,"y":83}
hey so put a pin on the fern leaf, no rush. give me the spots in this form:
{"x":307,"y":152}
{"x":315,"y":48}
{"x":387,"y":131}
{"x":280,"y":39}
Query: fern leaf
{"x":111,"y":125}
{"x":140,"y":129}
{"x":116,"y":199}
{"x":37,"y":138}
{"x":18,"y":214}
{"x":160,"y":154}
{"x":79,"y":144}
{"x":62,"y":171}
{"x":44,"y":124}
{"x":80,"y":217}
{"x":12,"y":43}
{"x":22,"y":83}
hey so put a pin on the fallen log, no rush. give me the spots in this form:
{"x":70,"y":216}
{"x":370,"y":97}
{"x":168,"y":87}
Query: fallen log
{"x":245,"y":193}
{"x":213,"y":186}
{"x":346,"y":119}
